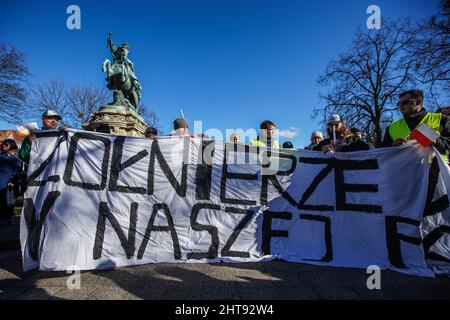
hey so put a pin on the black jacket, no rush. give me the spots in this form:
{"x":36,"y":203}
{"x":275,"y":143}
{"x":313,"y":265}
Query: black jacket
{"x":326,"y":142}
{"x":348,"y":146}
{"x":442,"y":143}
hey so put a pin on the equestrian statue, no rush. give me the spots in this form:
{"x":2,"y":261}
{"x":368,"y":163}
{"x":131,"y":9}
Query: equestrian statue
{"x":121,"y":77}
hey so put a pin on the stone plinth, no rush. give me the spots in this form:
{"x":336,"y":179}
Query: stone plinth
{"x":117,"y":120}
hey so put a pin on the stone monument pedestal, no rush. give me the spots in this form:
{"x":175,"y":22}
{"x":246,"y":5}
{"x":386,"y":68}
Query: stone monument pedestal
{"x":117,"y":120}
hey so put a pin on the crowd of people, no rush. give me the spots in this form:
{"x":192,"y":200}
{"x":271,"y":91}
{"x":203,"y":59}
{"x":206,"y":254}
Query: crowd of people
{"x":339,"y":138}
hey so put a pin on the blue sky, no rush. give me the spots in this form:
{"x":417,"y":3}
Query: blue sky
{"x":228,"y":63}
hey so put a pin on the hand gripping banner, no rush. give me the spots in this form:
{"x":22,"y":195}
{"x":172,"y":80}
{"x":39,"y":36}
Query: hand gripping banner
{"x":101,"y":201}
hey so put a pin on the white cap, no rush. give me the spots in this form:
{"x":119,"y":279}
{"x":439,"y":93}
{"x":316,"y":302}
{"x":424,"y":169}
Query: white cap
{"x":317,"y":134}
{"x":51,"y":113}
{"x":334,"y":119}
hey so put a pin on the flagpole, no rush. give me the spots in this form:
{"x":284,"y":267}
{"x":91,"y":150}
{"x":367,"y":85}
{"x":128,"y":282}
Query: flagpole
{"x":334,"y":134}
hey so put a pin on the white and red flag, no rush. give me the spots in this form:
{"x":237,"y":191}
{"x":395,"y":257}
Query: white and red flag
{"x":424,"y":135}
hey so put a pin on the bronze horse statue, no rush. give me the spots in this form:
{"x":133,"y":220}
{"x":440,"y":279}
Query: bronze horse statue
{"x":121,"y":77}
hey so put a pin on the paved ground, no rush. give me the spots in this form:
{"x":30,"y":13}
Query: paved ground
{"x":267,"y":280}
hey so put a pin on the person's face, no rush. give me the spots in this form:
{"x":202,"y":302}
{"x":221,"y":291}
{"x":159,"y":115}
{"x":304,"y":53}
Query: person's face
{"x":408,"y":106}
{"x":5,"y":147}
{"x":268,"y":133}
{"x":123,"y":52}
{"x":337,"y":126}
{"x":359,"y":135}
{"x":316,"y":140}
{"x":150,"y":135}
{"x":236,"y":139}
{"x":184,"y":130}
{"x":50,"y":122}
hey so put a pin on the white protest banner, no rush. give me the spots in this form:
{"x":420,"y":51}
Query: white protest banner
{"x":101,"y":201}
{"x":435,"y":227}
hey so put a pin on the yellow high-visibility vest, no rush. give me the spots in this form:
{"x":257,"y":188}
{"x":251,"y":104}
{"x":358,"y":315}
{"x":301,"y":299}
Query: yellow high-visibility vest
{"x":399,"y":129}
{"x":259,"y":143}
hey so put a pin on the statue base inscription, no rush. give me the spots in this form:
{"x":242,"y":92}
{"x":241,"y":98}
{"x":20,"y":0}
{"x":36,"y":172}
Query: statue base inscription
{"x":117,"y":120}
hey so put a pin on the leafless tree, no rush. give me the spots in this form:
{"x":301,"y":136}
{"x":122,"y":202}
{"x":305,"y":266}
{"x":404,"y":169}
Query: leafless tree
{"x":150,"y":117}
{"x":83,"y":100}
{"x":74,"y":102}
{"x":431,"y":50}
{"x":49,"y":95}
{"x":77,"y":102}
{"x":13,"y":71}
{"x":364,"y":82}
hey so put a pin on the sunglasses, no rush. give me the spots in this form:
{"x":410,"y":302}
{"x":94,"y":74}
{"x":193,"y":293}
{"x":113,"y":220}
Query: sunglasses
{"x":402,"y":103}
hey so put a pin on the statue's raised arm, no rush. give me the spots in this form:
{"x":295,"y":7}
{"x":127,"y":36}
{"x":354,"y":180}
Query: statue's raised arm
{"x":111,"y":45}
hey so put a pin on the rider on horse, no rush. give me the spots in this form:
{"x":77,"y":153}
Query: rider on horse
{"x":120,"y":57}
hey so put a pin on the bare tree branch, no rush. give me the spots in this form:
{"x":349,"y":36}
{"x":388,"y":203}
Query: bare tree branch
{"x":75,"y":102}
{"x":13,"y":94}
{"x":83,"y":101}
{"x":431,"y":51}
{"x":150,"y":117}
{"x":365,"y":81}
{"x":49,"y":95}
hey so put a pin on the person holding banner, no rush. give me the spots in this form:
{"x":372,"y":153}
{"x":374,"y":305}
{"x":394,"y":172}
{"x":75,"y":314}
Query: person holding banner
{"x":9,"y":167}
{"x":235,"y":138}
{"x":336,"y":142}
{"x":50,"y":119}
{"x":410,"y":104}
{"x":316,"y":138}
{"x":151,"y":133}
{"x":337,"y":131}
{"x":288,"y":145}
{"x":181,"y":128}
{"x":266,"y":135}
{"x":354,"y":140}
